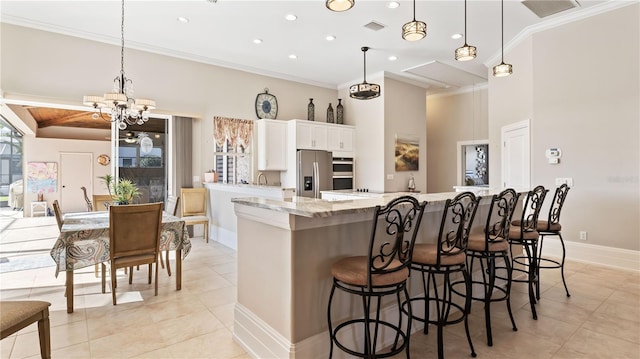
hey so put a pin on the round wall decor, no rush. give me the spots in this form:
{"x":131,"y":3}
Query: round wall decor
{"x":104,"y":159}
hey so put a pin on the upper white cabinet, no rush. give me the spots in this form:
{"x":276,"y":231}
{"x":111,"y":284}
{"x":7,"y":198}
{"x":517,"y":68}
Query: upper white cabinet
{"x":311,"y":136}
{"x":272,"y":145}
{"x":340,"y":138}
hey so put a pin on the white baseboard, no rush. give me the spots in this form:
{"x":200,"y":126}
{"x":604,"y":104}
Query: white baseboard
{"x":224,"y":236}
{"x":593,"y":254}
{"x":260,"y":340}
{"x":257,"y":338}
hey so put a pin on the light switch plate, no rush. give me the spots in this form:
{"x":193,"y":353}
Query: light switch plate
{"x":196,"y":179}
{"x":389,"y":176}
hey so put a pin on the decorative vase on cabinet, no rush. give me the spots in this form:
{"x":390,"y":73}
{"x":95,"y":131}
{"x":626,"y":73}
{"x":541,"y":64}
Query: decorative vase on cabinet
{"x":340,"y":112}
{"x":311,"y":111}
{"x":330,"y":113}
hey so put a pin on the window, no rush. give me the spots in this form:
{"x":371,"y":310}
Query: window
{"x":232,"y":152}
{"x":232,"y":164}
{"x":132,"y":157}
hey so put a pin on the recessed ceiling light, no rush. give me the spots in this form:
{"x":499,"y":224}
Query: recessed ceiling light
{"x":393,"y":58}
{"x":157,"y":135}
{"x":330,"y":38}
{"x":293,"y":56}
{"x":290,"y":17}
{"x":183,"y":19}
{"x":257,"y":41}
{"x":456,"y":36}
{"x":393,"y":4}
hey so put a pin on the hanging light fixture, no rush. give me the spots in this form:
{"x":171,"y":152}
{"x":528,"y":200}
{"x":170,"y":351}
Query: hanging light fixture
{"x":502,"y":69}
{"x":414,"y":30}
{"x":123,"y":109}
{"x":339,"y":5}
{"x":364,"y":90}
{"x":466,"y":52}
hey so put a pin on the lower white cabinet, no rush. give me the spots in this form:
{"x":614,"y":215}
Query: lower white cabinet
{"x":272,"y":145}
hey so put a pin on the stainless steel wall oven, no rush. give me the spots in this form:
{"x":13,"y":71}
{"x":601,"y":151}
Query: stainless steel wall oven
{"x":342,"y":173}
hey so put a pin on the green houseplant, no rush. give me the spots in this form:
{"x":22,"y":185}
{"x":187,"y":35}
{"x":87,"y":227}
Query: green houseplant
{"x":123,"y":191}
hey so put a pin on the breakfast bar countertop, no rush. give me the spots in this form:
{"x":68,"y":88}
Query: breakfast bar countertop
{"x":313,"y":207}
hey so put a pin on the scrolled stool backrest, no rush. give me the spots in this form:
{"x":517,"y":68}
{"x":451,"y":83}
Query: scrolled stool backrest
{"x":393,"y":244}
{"x":499,"y":218}
{"x":532,"y":207}
{"x":556,"y":205}
{"x":456,"y":224}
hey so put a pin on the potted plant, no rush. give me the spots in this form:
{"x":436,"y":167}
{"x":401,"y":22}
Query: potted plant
{"x":124,"y":191}
{"x":211,"y":176}
{"x":108,"y":182}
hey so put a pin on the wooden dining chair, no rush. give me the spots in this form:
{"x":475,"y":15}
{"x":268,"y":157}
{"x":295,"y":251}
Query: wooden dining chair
{"x":194,"y":208}
{"x":134,"y":239}
{"x":58,"y":213}
{"x":172,"y":208}
{"x":19,"y":314}
{"x":101,"y":202}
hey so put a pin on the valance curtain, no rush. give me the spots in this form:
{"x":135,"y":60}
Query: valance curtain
{"x":239,"y":132}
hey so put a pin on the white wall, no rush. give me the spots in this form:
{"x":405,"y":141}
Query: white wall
{"x":49,"y":149}
{"x":180,"y":87}
{"x":405,"y":113}
{"x":367,"y":116}
{"x":580,"y":84}
{"x":452,"y":118}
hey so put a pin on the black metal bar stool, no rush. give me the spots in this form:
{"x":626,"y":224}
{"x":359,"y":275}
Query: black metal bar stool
{"x":383,"y":271}
{"x":445,"y":258}
{"x":524,"y":232}
{"x":552,"y":227}
{"x":488,"y":246}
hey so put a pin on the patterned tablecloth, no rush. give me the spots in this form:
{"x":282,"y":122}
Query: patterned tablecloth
{"x":84,"y":239}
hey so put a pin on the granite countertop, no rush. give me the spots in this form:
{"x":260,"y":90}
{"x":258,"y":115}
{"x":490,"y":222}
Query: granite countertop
{"x":246,"y":185}
{"x":313,"y":207}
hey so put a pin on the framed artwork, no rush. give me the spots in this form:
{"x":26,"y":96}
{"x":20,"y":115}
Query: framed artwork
{"x":407,"y":153}
{"x":42,"y":177}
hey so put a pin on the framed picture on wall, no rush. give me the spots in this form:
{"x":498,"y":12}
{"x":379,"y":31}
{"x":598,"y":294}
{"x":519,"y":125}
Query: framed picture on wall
{"x":407,"y":153}
{"x":42,"y":177}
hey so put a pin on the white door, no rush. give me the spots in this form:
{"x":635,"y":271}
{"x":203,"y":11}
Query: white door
{"x":76,"y":171}
{"x":516,"y":156}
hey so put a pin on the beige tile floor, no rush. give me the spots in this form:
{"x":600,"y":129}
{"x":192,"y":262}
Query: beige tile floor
{"x":600,"y":320}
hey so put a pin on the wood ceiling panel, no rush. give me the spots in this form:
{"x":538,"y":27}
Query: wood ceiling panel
{"x":46,"y":117}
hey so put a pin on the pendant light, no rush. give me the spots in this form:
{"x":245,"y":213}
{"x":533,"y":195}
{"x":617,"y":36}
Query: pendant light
{"x":414,"y":30}
{"x":502,"y":69}
{"x":339,"y":5}
{"x":364,"y":90}
{"x":466,"y":52}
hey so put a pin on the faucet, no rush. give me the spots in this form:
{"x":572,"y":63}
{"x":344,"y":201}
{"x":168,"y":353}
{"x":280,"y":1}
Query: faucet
{"x":261,"y":175}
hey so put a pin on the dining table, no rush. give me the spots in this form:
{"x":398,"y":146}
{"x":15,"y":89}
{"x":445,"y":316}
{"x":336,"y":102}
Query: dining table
{"x":84,"y":242}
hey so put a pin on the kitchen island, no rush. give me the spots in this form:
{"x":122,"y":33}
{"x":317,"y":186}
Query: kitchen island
{"x":285,"y":252}
{"x":222,"y":219}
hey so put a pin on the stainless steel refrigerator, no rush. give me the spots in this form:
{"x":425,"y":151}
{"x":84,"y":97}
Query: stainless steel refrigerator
{"x":315,"y":173}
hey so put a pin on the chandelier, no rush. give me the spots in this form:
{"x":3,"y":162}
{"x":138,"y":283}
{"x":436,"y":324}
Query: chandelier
{"x":119,"y":104}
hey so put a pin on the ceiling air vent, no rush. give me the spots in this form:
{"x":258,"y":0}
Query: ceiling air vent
{"x":544,"y":8}
{"x":375,"y":26}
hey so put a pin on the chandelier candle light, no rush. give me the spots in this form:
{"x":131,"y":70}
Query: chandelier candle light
{"x":123,"y":108}
{"x":466,"y":52}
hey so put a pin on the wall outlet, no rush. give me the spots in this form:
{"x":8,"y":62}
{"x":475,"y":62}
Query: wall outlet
{"x":583,"y":235}
{"x":389,"y":176}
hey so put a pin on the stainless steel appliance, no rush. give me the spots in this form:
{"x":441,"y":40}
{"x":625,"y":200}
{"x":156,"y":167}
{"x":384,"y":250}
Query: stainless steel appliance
{"x":314,"y":173}
{"x":342,"y":173}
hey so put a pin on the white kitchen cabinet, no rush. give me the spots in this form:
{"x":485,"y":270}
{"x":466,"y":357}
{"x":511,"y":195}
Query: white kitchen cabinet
{"x":311,"y":136}
{"x":340,"y":138}
{"x":272,"y":145}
